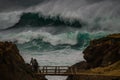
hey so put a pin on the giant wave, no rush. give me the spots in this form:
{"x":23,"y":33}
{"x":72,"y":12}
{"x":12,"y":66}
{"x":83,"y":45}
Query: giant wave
{"x":42,"y":41}
{"x":59,"y":29}
{"x":37,"y":20}
{"x":96,"y":15}
{"x":61,"y":19}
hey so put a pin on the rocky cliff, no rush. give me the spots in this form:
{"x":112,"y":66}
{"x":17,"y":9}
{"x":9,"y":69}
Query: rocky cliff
{"x":99,"y":56}
{"x":12,"y":65}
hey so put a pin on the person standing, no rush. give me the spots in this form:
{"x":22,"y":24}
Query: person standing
{"x":35,"y":65}
{"x":32,"y":63}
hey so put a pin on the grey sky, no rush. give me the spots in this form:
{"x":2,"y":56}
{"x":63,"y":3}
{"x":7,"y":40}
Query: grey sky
{"x":17,"y":4}
{"x":7,"y":5}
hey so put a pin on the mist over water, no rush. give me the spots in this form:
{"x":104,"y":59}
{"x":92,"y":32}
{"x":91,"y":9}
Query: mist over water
{"x":55,"y":32}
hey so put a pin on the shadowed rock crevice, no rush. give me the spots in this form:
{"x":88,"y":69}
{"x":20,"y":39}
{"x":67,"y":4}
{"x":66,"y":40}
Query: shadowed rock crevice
{"x":102,"y":56}
{"x":12,"y":65}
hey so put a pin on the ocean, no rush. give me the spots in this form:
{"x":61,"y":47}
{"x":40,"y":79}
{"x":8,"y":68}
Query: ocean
{"x":55,"y":32}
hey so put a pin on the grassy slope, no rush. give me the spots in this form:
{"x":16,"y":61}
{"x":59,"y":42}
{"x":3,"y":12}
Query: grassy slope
{"x":111,"y":70}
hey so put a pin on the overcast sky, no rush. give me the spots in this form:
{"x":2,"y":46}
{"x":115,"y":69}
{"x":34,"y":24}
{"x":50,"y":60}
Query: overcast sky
{"x":7,"y":5}
{"x":17,"y":4}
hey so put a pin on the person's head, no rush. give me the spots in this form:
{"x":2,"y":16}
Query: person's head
{"x":32,"y":58}
{"x":35,"y":60}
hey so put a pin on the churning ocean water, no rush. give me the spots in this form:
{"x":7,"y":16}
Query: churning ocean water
{"x":55,"y":32}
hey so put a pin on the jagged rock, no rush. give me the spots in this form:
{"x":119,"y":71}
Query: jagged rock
{"x":83,"y":65}
{"x":100,"y":53}
{"x":104,"y":51}
{"x":12,"y":65}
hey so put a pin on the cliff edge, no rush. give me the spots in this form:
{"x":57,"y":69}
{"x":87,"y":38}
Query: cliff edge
{"x":12,"y":65}
{"x":103,"y":52}
{"x":102,"y":57}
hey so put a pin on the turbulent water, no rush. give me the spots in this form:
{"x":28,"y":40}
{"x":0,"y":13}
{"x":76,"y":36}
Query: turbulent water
{"x":55,"y":32}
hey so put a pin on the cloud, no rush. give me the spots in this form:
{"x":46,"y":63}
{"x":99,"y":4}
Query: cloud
{"x":17,"y":4}
{"x":8,"y":5}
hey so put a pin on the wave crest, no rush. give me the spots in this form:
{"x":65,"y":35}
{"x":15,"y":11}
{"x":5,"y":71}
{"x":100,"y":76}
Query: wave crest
{"x":38,"y":20}
{"x":44,"y":40}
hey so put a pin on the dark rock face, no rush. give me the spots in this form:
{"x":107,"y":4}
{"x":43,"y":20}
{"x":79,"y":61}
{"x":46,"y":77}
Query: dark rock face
{"x":12,"y":65}
{"x":103,"y":52}
{"x":100,"y":53}
{"x":93,"y":77}
{"x":83,"y":65}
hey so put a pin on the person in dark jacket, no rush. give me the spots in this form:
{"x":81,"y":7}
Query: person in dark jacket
{"x":35,"y":65}
{"x":32,"y":63}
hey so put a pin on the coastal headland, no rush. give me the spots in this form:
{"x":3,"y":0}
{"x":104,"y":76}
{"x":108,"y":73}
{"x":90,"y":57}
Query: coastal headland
{"x":13,"y":66}
{"x":102,"y":61}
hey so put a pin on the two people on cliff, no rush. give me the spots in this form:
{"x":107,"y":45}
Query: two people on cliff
{"x":34,"y":65}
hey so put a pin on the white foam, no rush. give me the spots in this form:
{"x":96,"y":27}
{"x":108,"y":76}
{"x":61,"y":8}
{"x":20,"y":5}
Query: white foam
{"x":22,"y":37}
{"x":8,"y":19}
{"x":103,"y":13}
{"x":65,"y":57}
{"x":56,"y":77}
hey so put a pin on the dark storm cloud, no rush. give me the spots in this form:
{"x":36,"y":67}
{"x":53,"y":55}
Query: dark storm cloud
{"x":94,"y":1}
{"x":17,"y":4}
{"x":8,"y":5}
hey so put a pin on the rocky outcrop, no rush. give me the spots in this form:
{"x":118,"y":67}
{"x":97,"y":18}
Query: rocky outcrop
{"x":100,"y":53}
{"x":12,"y":65}
{"x":103,"y":52}
{"x":93,"y":77}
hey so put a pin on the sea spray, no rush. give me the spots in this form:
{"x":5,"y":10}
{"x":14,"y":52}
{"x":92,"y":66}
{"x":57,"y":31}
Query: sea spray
{"x":56,"y":32}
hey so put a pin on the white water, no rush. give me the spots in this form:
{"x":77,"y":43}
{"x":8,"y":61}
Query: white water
{"x":56,"y":77}
{"x":104,"y":14}
{"x":65,"y":57}
{"x":68,"y":37}
{"x":8,"y":19}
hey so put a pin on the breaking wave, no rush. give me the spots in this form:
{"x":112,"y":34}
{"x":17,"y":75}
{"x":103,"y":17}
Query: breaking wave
{"x":40,"y":41}
{"x":59,"y":29}
{"x":37,"y":20}
{"x":85,"y":14}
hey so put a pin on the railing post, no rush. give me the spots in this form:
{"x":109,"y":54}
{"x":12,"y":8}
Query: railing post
{"x":43,"y":69}
{"x":71,"y":70}
{"x":39,"y":69}
{"x":55,"y":69}
{"x":58,"y":69}
{"x":46,"y":69}
{"x":75,"y":70}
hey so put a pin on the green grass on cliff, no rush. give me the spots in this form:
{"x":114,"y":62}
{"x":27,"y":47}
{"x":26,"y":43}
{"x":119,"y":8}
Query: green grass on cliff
{"x":112,"y":70}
